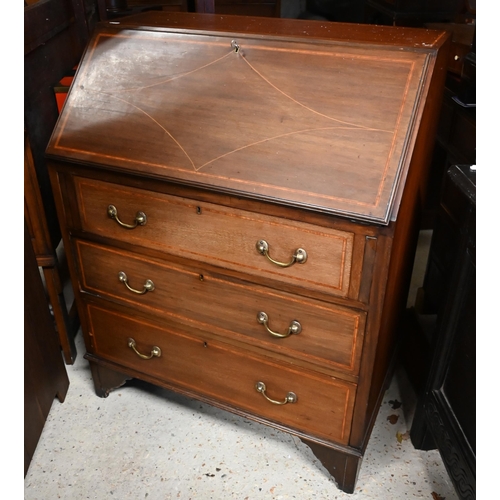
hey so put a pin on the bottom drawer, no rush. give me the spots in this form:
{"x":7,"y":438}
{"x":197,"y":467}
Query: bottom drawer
{"x":323,"y":405}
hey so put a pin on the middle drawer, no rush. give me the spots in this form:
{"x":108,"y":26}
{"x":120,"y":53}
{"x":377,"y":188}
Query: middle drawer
{"x":289,"y":325}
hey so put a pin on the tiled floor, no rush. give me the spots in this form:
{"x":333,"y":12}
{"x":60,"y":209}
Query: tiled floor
{"x":145,"y":442}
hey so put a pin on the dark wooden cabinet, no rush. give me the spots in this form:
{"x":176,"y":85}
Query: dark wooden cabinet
{"x":55,"y":34}
{"x":45,"y":374}
{"x":240,"y":210}
{"x":113,"y":9}
{"x":410,"y":12}
{"x":446,"y":411}
{"x":52,"y":261}
{"x":266,"y":8}
{"x":456,"y":133}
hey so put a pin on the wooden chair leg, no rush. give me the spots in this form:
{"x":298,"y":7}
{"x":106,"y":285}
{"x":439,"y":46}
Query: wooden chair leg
{"x":60,"y":311}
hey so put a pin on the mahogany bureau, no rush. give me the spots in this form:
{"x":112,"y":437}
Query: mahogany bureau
{"x":239,"y":199}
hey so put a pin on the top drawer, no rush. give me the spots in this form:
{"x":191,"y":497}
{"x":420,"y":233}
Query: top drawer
{"x":225,"y":237}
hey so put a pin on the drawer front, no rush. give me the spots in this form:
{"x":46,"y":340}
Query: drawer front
{"x":226,"y":374}
{"x":328,"y":335}
{"x":221,"y":236}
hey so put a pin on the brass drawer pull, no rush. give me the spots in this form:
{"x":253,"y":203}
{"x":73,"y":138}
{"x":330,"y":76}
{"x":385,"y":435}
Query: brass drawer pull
{"x":140,"y":218}
{"x":294,"y":328}
{"x":149,"y":286}
{"x":156,"y":351}
{"x":299,"y":257}
{"x":291,"y":397}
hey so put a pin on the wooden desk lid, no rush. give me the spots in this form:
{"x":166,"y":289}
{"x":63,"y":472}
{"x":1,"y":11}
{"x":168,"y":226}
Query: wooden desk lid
{"x":325,"y":122}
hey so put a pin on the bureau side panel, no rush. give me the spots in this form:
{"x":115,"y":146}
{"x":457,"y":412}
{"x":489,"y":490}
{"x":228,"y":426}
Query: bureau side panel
{"x":326,"y":335}
{"x":390,"y":289}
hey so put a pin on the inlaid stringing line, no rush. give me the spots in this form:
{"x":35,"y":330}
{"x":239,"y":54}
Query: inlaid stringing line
{"x":303,"y":105}
{"x":240,"y":53}
{"x":155,"y":121}
{"x":352,"y":126}
{"x":177,"y":76}
{"x":393,"y":143}
{"x":279,"y":136}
